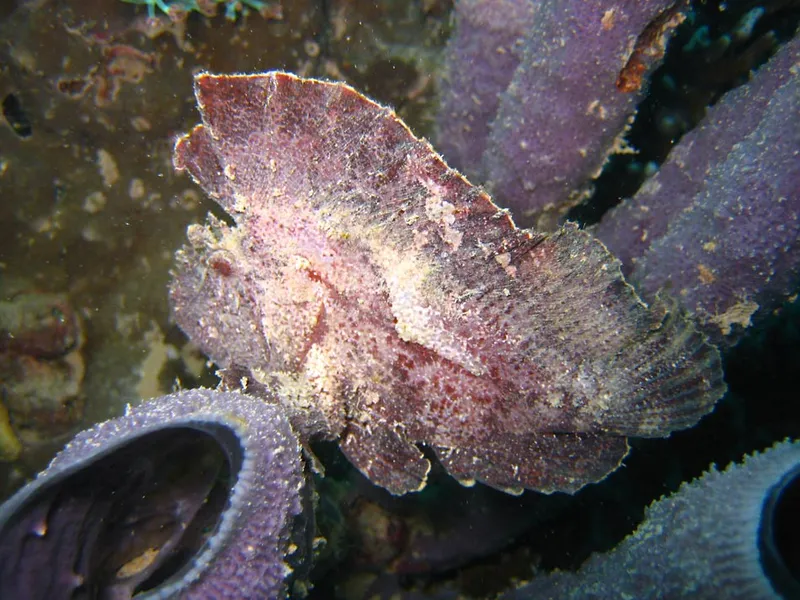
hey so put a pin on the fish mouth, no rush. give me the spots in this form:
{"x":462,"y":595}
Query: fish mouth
{"x":123,"y":522}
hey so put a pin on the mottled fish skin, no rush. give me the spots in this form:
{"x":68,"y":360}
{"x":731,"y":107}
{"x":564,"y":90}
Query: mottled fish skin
{"x":388,"y":303}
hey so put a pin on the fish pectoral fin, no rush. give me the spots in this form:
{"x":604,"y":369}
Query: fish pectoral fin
{"x":545,"y":462}
{"x":386,"y":458}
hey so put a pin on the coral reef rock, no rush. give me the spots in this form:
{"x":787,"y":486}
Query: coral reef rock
{"x":41,"y":370}
{"x":387,"y":303}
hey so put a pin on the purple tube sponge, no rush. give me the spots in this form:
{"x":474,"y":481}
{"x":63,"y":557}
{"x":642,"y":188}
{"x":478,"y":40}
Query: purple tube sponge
{"x":482,"y":55}
{"x":719,"y":224}
{"x":568,"y":102}
{"x":196,"y":494}
{"x":730,"y":534}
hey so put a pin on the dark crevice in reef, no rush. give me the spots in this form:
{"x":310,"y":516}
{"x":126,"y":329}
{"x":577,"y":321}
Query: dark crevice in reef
{"x":16,"y":116}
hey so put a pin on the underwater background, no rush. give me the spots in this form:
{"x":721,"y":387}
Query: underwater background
{"x":94,"y":94}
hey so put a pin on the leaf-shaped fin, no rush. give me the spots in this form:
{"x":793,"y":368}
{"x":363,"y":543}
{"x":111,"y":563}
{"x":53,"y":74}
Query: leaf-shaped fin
{"x":545,"y":462}
{"x":617,"y":364}
{"x":386,"y":458}
{"x":666,"y":384}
